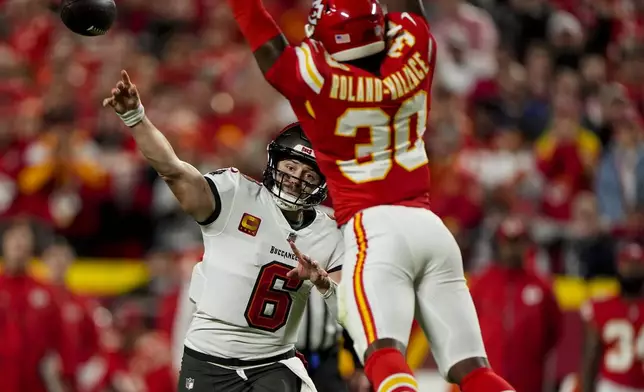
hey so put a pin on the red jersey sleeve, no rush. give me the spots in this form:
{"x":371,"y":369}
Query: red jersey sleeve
{"x":301,"y":71}
{"x":408,"y":30}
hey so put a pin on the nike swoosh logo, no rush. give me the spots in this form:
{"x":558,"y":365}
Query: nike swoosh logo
{"x":406,"y":15}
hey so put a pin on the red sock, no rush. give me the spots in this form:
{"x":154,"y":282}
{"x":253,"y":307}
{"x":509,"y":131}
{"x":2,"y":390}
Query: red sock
{"x":485,"y":380}
{"x":387,"y":369}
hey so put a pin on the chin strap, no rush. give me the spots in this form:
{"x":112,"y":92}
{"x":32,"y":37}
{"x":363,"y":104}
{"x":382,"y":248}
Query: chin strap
{"x":283,"y":204}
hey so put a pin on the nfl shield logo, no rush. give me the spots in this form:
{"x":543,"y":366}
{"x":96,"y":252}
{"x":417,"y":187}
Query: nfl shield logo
{"x":292,"y":237}
{"x":190,"y":383}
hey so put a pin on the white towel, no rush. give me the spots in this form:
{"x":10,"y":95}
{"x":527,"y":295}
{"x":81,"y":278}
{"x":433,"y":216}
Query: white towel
{"x":297,"y":367}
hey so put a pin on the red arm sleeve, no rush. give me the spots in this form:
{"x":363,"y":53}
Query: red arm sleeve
{"x":254,"y":22}
{"x":300,"y":72}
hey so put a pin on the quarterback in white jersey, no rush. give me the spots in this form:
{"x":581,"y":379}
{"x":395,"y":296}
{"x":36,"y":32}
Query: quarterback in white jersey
{"x":252,"y":286}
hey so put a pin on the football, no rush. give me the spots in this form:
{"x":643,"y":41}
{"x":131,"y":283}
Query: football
{"x":88,"y":17}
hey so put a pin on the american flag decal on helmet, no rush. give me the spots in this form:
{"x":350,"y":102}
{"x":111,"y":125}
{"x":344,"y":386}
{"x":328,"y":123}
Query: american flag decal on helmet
{"x":342,"y":38}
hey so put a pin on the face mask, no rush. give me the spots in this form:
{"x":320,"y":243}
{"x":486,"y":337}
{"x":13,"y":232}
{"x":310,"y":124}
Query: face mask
{"x":631,"y":285}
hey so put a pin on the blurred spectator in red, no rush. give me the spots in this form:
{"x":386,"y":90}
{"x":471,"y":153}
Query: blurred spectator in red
{"x":63,"y":180}
{"x":77,"y":312}
{"x":17,"y":126}
{"x":108,"y":370}
{"x":519,"y":316}
{"x":139,"y":357}
{"x":151,"y":363}
{"x":30,"y":30}
{"x":459,"y":204}
{"x":567,"y":152}
{"x":31,"y":328}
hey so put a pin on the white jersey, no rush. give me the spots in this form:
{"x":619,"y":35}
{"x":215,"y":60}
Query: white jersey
{"x":246,"y":308}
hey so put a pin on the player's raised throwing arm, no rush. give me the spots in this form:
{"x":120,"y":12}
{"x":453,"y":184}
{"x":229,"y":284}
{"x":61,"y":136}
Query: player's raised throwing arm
{"x":186,"y":182}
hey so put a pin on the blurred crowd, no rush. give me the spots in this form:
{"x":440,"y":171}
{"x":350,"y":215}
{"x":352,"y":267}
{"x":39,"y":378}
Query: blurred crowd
{"x":56,"y":340}
{"x":71,"y":166}
{"x":537,"y":115}
{"x":536,"y":112}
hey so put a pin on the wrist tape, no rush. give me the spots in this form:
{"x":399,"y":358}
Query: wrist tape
{"x":133,"y":117}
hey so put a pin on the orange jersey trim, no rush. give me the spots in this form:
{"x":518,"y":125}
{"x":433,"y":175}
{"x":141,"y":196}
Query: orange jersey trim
{"x":358,"y":283}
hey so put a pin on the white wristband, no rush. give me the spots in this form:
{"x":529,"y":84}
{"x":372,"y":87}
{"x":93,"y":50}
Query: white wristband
{"x":133,"y":117}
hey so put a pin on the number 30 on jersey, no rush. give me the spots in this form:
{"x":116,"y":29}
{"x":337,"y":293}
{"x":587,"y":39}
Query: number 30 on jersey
{"x":390,"y":139}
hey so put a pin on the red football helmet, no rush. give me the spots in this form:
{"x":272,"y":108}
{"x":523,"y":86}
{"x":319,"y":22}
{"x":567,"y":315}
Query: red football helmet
{"x":348,"y":29}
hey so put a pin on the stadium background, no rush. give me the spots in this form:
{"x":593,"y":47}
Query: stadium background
{"x":533,"y":101}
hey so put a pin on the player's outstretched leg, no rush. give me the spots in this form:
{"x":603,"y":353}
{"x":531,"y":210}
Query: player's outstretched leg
{"x":446,"y":312}
{"x":376,"y":300}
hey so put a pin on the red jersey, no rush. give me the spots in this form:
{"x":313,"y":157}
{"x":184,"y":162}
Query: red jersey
{"x":31,"y":330}
{"x":517,"y":308}
{"x":620,"y":324}
{"x":79,"y":328}
{"x":366,"y":129}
